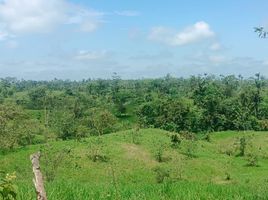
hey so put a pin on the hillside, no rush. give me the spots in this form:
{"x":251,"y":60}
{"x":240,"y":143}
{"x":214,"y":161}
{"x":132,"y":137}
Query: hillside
{"x":142,"y":164}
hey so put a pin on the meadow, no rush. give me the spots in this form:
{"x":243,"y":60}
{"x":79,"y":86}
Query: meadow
{"x":145,"y":164}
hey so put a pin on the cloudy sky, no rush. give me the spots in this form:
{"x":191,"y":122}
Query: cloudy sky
{"x":76,"y":39}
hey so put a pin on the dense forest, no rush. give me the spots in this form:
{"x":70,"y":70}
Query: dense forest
{"x":33,"y":112}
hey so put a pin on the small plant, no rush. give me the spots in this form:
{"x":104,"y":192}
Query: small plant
{"x":175,"y":140}
{"x":135,"y":136}
{"x":227,"y":176}
{"x":207,"y":137}
{"x":252,"y":160}
{"x":52,"y":160}
{"x":8,"y":190}
{"x":188,"y":135}
{"x":178,"y":170}
{"x":242,"y":146}
{"x":229,"y":152}
{"x":190,"y":148}
{"x":96,"y":151}
{"x":159,"y":151}
{"x":161,"y":174}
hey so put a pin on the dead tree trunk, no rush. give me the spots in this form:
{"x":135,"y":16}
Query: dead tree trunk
{"x":38,"y":178}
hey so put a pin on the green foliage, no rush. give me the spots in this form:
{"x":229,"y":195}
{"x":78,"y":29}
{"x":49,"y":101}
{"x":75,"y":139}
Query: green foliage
{"x":37,"y":97}
{"x":102,"y":121}
{"x":52,"y":160}
{"x":129,"y":173}
{"x":175,"y":140}
{"x":252,"y":160}
{"x":135,"y":135}
{"x":242,"y":146}
{"x":8,"y":191}
{"x":75,"y":109}
{"x":161,"y":174}
{"x":228,"y":176}
{"x":96,"y":150}
{"x":159,"y":149}
{"x":207,"y":137}
{"x":190,"y":148}
{"x":188,"y":135}
{"x":16,"y":127}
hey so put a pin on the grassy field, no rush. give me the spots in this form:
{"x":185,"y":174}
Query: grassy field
{"x":128,"y":167}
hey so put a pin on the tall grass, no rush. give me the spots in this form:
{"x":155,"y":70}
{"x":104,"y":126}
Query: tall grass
{"x":182,"y":190}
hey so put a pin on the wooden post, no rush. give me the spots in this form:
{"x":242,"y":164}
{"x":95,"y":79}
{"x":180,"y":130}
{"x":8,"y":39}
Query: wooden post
{"x":38,"y":178}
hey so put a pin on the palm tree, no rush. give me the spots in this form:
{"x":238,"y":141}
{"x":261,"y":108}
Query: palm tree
{"x":261,"y":31}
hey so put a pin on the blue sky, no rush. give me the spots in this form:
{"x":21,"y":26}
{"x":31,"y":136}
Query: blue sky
{"x":76,"y":39}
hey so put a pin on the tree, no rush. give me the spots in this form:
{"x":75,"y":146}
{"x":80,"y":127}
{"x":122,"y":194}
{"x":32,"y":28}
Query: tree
{"x":102,"y":121}
{"x":261,"y":32}
{"x":37,"y":97}
{"x":16,"y":127}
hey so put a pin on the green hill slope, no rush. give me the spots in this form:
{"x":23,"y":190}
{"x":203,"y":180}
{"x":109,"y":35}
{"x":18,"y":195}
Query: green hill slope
{"x":144,"y":165}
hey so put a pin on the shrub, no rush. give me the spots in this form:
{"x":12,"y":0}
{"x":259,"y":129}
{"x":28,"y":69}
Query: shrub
{"x":190,"y":148}
{"x":207,"y":137}
{"x":52,"y":160}
{"x":252,"y":160}
{"x":96,"y":151}
{"x":228,"y":176}
{"x":161,"y":174}
{"x":135,"y":136}
{"x":159,"y":151}
{"x":188,"y":135}
{"x":8,"y":190}
{"x":242,"y":146}
{"x":175,"y":140}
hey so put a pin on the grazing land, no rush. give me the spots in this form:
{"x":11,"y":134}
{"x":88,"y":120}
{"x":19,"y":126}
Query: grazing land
{"x":204,"y":137}
{"x":213,"y":170}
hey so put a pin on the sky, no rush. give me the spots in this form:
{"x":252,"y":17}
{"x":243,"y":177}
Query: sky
{"x":81,"y":39}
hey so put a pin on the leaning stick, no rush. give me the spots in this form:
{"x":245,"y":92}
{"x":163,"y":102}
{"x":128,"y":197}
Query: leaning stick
{"x":38,"y":178}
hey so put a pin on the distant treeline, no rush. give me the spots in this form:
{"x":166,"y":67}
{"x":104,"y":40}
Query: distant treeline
{"x":36,"y":111}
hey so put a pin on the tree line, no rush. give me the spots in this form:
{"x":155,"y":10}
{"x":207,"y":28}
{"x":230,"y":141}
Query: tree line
{"x":34,"y":112}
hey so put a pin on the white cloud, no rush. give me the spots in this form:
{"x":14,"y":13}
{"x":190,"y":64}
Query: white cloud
{"x":128,"y":13}
{"x":91,"y":55}
{"x":265,"y":62}
{"x":162,"y":55}
{"x":197,"y":32}
{"x":215,"y":46}
{"x":22,"y":16}
{"x":89,"y":20}
{"x":31,"y":16}
{"x":3,"y":35}
{"x":217,"y":59}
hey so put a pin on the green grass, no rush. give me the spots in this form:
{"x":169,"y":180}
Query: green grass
{"x":200,"y":177}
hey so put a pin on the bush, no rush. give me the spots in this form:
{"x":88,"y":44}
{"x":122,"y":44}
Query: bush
{"x":242,"y":147}
{"x":161,"y":174}
{"x":175,"y":140}
{"x":228,"y":176}
{"x":188,"y":135}
{"x":8,"y":190}
{"x":52,"y":159}
{"x":102,"y":122}
{"x":190,"y":148}
{"x":159,"y":151}
{"x":252,"y":160}
{"x":263,"y":125}
{"x":135,"y":136}
{"x":96,"y":151}
{"x":207,"y":137}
